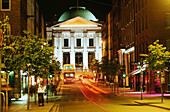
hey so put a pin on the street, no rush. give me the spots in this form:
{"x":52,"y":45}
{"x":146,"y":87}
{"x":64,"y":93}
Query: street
{"x":77,"y":98}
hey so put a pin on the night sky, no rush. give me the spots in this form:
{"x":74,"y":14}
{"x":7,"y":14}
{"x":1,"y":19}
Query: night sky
{"x":52,"y":9}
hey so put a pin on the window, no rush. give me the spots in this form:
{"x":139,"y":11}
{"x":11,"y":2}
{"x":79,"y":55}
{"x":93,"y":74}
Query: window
{"x":136,"y":8}
{"x":90,"y":42}
{"x":5,"y":5}
{"x":139,"y":26}
{"x":146,"y":24}
{"x":65,"y":42}
{"x":142,"y":4}
{"x":139,"y":4}
{"x":78,"y":42}
{"x":136,"y":28}
{"x":142,"y":23}
{"x":167,"y":20}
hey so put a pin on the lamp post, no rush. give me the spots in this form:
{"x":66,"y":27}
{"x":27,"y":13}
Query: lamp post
{"x":28,"y":86}
{"x":141,"y":74}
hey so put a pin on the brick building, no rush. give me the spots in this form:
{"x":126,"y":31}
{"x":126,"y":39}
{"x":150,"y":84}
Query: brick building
{"x":135,"y":25}
{"x":23,"y":15}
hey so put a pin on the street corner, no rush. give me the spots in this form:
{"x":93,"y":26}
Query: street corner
{"x":147,"y":102}
{"x":153,"y":103}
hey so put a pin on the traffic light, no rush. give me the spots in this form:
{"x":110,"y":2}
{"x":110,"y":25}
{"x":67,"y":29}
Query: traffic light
{"x":124,"y":75}
{"x":50,"y":76}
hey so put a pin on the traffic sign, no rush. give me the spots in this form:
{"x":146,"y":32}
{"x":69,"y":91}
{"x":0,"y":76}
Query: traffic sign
{"x":1,"y":37}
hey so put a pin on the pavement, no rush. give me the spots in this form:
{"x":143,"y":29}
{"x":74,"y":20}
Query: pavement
{"x":21,"y":104}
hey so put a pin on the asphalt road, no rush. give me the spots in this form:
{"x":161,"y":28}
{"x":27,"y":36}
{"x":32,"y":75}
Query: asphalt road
{"x":80,"y":97}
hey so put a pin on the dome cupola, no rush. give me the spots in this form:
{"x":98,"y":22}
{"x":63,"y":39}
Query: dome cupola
{"x":73,"y":12}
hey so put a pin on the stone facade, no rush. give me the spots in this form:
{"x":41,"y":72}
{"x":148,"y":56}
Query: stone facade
{"x":77,"y":41}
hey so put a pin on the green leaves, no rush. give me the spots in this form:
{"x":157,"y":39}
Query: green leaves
{"x":157,"y":57}
{"x":18,"y":51}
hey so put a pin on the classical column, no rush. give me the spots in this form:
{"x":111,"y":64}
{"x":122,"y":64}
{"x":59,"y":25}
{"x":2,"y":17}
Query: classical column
{"x":56,"y":47}
{"x":60,"y":52}
{"x":72,"y":52}
{"x":85,"y":54}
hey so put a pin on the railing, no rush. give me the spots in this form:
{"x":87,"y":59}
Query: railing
{"x":3,"y":101}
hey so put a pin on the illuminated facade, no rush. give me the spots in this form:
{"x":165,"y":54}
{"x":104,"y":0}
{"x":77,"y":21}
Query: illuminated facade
{"x":77,"y":41}
{"x":131,"y":26}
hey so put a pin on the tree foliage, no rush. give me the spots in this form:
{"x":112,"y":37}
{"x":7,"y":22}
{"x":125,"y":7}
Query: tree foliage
{"x":157,"y":57}
{"x":110,"y":67}
{"x":19,"y":51}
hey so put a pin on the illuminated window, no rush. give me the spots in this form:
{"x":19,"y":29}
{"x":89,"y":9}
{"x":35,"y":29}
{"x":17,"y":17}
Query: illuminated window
{"x":65,"y":42}
{"x":78,"y":42}
{"x":90,"y":42}
{"x":5,"y":5}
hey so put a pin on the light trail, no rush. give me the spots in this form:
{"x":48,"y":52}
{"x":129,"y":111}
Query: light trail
{"x":96,"y":88}
{"x":92,"y":101}
{"x":92,"y":90}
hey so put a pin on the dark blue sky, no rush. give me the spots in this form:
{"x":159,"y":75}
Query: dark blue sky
{"x":99,"y":8}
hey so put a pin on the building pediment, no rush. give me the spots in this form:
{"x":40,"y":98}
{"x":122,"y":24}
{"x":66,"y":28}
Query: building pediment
{"x":77,"y":22}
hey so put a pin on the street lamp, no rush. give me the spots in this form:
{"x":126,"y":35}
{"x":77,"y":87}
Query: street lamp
{"x":141,"y":74}
{"x":28,"y":85}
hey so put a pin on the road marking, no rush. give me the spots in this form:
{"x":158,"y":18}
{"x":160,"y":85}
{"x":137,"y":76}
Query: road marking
{"x":57,"y":109}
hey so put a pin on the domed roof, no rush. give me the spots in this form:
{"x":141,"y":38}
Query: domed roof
{"x":72,"y":12}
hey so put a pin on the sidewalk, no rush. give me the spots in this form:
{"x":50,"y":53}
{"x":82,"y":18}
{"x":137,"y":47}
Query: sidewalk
{"x":153,"y":100}
{"x":21,"y":104}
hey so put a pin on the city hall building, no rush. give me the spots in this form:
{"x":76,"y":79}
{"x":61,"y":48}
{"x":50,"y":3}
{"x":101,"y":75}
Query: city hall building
{"x":76,"y":38}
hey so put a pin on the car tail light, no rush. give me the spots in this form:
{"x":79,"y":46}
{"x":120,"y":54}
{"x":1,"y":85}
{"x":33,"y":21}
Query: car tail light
{"x":64,"y":80}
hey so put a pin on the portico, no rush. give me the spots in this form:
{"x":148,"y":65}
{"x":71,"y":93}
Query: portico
{"x":77,"y":41}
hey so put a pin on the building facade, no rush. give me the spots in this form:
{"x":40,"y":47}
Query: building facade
{"x":77,"y":40}
{"x":138,"y":24}
{"x":23,"y":15}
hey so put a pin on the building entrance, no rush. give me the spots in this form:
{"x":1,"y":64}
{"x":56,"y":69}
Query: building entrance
{"x":79,"y":60}
{"x":66,"y":58}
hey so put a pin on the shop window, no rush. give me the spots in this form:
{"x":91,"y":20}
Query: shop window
{"x":5,"y":5}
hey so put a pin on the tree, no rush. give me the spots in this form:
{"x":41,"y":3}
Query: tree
{"x":38,"y":55}
{"x":96,"y":67}
{"x":156,"y":60}
{"x":110,"y":68}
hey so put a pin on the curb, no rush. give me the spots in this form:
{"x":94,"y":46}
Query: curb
{"x":152,"y":104}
